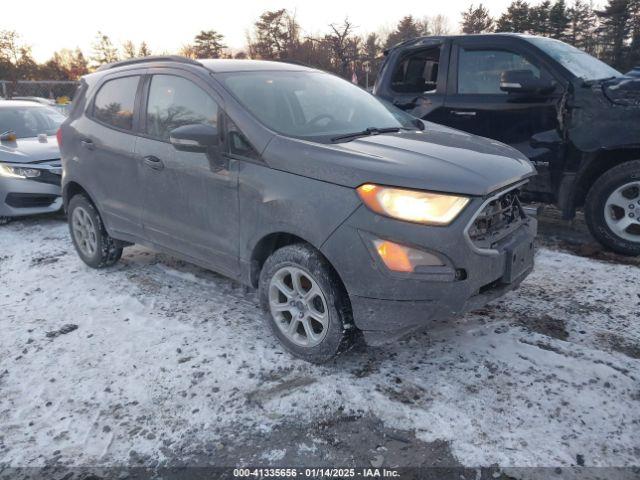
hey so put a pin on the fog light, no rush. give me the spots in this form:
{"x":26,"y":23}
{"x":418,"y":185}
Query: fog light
{"x":401,"y":258}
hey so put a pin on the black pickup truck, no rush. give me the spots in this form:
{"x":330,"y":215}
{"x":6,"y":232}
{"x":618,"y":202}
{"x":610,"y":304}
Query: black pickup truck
{"x":576,"y":118}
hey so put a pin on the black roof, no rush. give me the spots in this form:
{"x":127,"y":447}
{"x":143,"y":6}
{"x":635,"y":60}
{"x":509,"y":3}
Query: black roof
{"x":434,"y":39}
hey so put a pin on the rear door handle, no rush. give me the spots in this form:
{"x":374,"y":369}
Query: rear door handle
{"x":88,"y":144}
{"x":153,"y":162}
{"x":463,"y":113}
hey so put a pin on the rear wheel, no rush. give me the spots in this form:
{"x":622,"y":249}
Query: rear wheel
{"x":612,"y":208}
{"x":308,"y":309}
{"x":92,"y":242}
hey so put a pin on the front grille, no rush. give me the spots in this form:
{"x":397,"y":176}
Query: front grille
{"x":496,"y":220}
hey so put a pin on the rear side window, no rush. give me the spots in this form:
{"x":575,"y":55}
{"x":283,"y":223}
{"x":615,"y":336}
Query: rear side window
{"x":418,"y":72}
{"x":479,"y":71}
{"x":176,"y":101}
{"x":114,"y":103}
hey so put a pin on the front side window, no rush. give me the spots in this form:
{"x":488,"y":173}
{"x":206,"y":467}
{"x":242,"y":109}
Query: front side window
{"x":312,"y":105}
{"x":114,"y":103}
{"x":418,"y":72}
{"x":175,"y":102}
{"x":479,"y":71}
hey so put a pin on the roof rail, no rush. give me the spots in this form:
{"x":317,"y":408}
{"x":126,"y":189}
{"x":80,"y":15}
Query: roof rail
{"x":153,"y":58}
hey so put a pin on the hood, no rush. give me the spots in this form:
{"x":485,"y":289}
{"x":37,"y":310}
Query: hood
{"x":27,"y":150}
{"x":623,"y":90}
{"x":438,"y":158}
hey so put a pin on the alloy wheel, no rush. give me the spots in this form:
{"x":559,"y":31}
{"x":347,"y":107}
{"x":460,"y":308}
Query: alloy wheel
{"x":622,"y":210}
{"x":298,"y":306}
{"x":84,"y":231}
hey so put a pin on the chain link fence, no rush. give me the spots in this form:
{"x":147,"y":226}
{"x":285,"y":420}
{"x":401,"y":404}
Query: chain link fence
{"x":56,"y":93}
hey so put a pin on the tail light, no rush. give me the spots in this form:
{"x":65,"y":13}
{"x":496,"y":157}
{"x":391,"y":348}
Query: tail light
{"x":59,"y":137}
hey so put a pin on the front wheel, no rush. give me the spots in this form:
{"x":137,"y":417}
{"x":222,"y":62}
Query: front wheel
{"x":308,"y":309}
{"x":612,"y":208}
{"x":94,"y":245}
{"x":4,"y":220}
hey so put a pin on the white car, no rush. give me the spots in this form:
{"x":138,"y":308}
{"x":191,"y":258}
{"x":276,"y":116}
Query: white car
{"x":30,"y":170}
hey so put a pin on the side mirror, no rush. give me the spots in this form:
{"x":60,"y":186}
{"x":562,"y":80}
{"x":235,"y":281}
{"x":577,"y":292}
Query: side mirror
{"x":523,"y":81}
{"x":194,"y":138}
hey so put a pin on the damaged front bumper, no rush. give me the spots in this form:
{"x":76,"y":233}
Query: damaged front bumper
{"x":387,"y":305}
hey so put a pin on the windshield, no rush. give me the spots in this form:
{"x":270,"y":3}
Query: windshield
{"x":579,"y":63}
{"x":312,"y":105}
{"x":29,"y":121}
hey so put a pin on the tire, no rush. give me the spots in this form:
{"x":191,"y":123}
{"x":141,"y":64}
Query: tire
{"x":326,"y":300}
{"x":92,"y":242}
{"x":4,"y":220}
{"x":612,"y":199}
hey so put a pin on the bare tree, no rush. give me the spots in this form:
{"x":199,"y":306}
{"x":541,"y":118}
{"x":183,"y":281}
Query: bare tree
{"x":340,"y":45}
{"x":16,"y":61}
{"x":440,"y":25}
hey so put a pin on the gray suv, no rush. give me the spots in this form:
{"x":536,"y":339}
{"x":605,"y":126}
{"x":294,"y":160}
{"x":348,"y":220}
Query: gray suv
{"x":347,"y":214}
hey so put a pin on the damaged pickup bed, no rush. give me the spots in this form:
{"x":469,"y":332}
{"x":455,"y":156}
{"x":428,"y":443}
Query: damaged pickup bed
{"x":576,"y":118}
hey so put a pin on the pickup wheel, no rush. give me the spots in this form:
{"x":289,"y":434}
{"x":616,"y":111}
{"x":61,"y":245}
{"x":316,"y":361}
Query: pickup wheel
{"x":612,"y":208}
{"x":93,"y":244}
{"x":308,"y":309}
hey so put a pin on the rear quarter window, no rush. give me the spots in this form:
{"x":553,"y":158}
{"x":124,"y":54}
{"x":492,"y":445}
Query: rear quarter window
{"x":114,"y":102}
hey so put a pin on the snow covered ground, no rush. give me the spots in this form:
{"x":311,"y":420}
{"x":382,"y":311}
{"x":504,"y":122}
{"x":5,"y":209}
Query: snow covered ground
{"x":171,"y":364}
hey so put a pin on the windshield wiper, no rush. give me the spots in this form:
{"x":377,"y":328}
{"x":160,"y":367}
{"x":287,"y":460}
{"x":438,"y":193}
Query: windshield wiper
{"x":366,"y":132}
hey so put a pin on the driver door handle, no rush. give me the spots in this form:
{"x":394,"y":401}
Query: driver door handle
{"x":153,"y":162}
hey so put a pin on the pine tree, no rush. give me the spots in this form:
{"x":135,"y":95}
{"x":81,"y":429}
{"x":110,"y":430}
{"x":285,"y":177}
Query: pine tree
{"x":539,"y":19}
{"x":277,"y":35}
{"x":633,"y":57}
{"x":406,"y":29}
{"x":129,"y":49}
{"x":582,"y":26}
{"x":615,"y":28}
{"x":103,"y":50}
{"x":516,"y":18}
{"x":208,"y":44}
{"x":559,"y":20}
{"x":476,"y":20}
{"x":144,"y":50}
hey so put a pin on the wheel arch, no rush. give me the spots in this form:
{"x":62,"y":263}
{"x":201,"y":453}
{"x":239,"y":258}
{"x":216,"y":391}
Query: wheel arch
{"x":273,"y":241}
{"x":596,"y":166}
{"x":73,"y":188}
{"x":265,"y":246}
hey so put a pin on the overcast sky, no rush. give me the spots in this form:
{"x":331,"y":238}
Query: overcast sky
{"x":166,"y":26}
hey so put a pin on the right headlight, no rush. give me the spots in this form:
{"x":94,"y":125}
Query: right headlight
{"x":18,"y":172}
{"x":416,"y":206}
